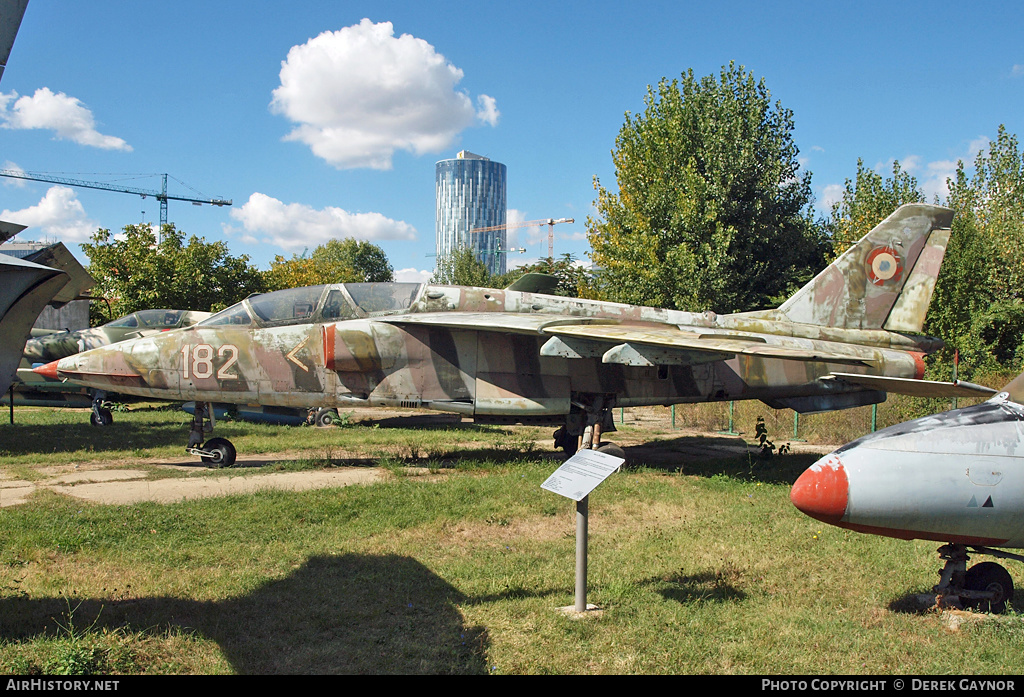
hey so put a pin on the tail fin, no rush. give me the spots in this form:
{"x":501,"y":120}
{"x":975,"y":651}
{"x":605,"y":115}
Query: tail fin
{"x":885,"y":280}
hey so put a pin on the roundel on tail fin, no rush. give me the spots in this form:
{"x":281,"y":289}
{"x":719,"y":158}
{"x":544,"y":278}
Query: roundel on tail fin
{"x":884,"y":264}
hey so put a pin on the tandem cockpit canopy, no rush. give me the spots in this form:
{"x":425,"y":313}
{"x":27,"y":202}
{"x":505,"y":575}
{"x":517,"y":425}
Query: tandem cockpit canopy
{"x":325,"y":303}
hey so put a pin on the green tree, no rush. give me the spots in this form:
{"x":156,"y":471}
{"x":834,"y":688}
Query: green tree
{"x":978,"y":308}
{"x":712,"y":211}
{"x":335,"y":261}
{"x":461,"y":268}
{"x":134,"y":272}
{"x":867,"y":201}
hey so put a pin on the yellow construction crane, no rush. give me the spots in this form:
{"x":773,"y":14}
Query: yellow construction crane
{"x":550,"y":222}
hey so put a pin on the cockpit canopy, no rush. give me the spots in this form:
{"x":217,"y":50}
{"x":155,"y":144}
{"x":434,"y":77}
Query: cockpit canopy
{"x":326,"y":303}
{"x":155,"y":319}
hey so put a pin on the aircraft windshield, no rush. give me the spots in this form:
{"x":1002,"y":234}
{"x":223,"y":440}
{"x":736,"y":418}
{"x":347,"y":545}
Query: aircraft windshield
{"x":159,"y":318}
{"x":291,"y":305}
{"x":377,"y":298}
{"x":127,"y":321}
{"x":235,"y":315}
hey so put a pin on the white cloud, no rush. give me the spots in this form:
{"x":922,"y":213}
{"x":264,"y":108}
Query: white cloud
{"x":1017,"y":70}
{"x":934,"y":181}
{"x":910,"y":164}
{"x":412,"y":275}
{"x":293,"y":226}
{"x":488,"y":112}
{"x":359,"y":94}
{"x":831,"y":194}
{"x":67,"y":117}
{"x":976,"y":146}
{"x":59,"y":214}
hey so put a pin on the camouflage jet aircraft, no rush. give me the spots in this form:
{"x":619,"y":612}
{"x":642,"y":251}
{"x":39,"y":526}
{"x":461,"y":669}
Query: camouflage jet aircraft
{"x":517,"y":356}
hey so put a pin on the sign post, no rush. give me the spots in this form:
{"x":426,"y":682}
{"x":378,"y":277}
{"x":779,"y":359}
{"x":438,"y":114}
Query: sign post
{"x":575,"y":479}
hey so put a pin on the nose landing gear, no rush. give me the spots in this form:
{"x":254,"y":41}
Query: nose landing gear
{"x":985,"y":587}
{"x":216,"y":452}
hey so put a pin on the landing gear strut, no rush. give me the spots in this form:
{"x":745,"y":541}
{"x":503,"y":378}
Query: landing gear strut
{"x":986,"y":587}
{"x":590,"y":418}
{"x":216,"y":452}
{"x":101,"y":415}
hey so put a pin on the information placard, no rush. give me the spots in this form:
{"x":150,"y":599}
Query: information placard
{"x":581,"y":473}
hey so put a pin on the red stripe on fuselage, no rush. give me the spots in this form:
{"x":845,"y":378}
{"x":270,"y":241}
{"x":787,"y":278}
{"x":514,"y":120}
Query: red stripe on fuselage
{"x":921,"y":535}
{"x":328,"y":336}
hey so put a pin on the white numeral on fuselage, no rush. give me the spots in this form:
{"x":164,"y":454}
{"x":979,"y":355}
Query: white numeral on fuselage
{"x":197,"y":361}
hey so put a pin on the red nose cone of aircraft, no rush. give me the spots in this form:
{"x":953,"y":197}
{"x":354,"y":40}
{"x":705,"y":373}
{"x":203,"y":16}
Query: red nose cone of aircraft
{"x":822,"y":491}
{"x":48,"y":371}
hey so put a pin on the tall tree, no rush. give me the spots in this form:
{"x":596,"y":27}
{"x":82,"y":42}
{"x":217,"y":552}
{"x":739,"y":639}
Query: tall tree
{"x":712,"y":210}
{"x":335,"y":261}
{"x":867,"y":201}
{"x":461,"y":268}
{"x":134,"y":272}
{"x":978,"y":308}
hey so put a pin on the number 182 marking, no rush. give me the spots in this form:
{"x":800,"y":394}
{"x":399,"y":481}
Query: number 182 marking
{"x":197,"y":361}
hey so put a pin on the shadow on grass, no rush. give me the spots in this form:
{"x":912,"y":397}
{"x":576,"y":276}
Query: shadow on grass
{"x":22,"y":439}
{"x":345,"y":614}
{"x":694,"y":588}
{"x":713,"y":455}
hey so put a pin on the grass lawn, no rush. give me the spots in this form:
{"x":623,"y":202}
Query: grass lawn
{"x":704,"y":568}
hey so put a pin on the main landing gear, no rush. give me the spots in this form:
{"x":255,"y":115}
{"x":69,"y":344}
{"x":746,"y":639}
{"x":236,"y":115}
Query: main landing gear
{"x":985,"y":587}
{"x":216,"y":452}
{"x":590,"y":418}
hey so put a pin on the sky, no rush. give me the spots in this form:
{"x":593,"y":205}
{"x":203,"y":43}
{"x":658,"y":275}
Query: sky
{"x":324,"y":120}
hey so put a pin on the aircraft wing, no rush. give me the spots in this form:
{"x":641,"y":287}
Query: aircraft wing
{"x":918,"y":388}
{"x":626,"y":343}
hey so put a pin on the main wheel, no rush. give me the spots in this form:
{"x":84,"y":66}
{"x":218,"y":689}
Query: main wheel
{"x":989,"y":576}
{"x":565,"y":441}
{"x":612,"y":449}
{"x":222,"y":453}
{"x":325,"y":417}
{"x":101,"y":417}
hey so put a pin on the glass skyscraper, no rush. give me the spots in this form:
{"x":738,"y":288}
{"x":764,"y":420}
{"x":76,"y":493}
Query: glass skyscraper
{"x":471,"y":194}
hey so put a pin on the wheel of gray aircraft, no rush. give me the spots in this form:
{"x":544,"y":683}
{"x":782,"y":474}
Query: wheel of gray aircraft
{"x":989,"y":576}
{"x":325,"y":417}
{"x":101,"y":418}
{"x":222,"y":453}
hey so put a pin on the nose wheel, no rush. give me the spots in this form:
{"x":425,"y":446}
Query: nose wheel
{"x":101,"y":415}
{"x":993,"y":585}
{"x":215,"y":452}
{"x":985,"y":587}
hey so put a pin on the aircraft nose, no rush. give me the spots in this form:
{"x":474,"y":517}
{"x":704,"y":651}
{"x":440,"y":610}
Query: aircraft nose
{"x":49,"y":370}
{"x":823,"y":490}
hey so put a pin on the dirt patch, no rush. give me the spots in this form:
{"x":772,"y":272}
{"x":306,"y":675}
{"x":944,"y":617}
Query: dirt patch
{"x":108,"y":485}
